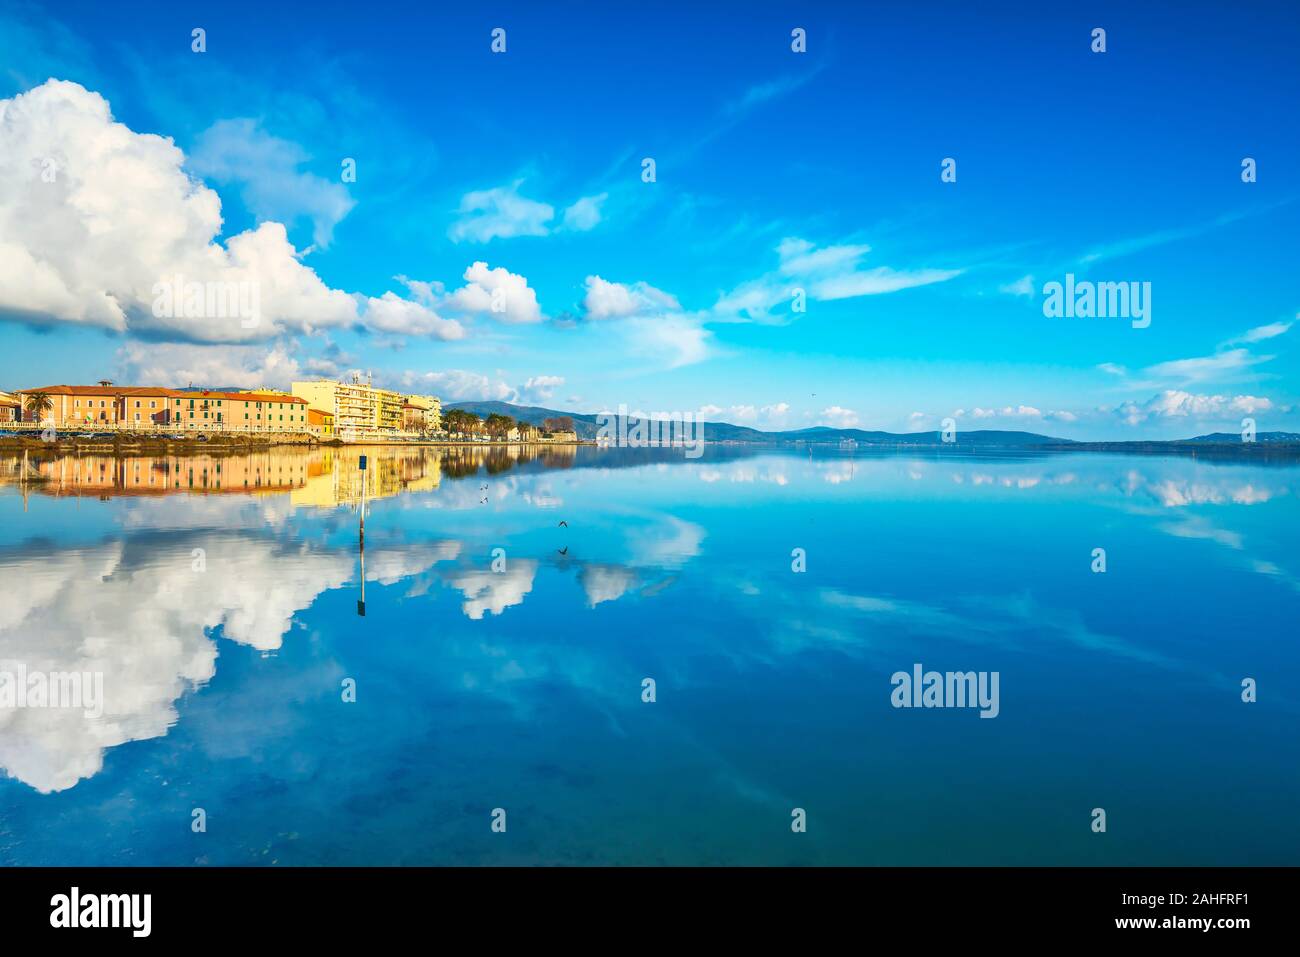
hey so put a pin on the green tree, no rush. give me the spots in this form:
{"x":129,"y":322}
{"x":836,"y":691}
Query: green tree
{"x":460,"y":420}
{"x":498,"y":424}
{"x":38,"y":404}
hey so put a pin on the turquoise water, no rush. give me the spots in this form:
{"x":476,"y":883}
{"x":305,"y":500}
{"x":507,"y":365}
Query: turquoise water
{"x":521,"y":688}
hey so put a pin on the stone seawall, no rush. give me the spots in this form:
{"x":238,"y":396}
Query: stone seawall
{"x":151,"y":441}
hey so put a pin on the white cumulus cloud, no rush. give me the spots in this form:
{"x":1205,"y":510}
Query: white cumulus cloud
{"x":97,"y":220}
{"x":498,"y":293}
{"x":1175,"y":403}
{"x":838,"y":417}
{"x":615,"y":300}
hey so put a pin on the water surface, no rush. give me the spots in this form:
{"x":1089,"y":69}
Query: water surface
{"x":501,"y":658}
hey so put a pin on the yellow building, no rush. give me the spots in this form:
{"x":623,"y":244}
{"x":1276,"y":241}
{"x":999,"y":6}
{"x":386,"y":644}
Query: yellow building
{"x":356,"y":406}
{"x":323,"y":422}
{"x":11,"y":410}
{"x":430,"y":411}
{"x":334,"y":477}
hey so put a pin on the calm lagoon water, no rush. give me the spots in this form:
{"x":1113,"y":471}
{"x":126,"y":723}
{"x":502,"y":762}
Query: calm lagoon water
{"x":521,"y":688}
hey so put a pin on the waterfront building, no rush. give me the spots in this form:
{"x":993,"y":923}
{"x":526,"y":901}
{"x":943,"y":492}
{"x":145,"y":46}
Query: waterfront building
{"x":84,"y":406}
{"x":427,"y":409}
{"x":414,"y":418}
{"x":322,"y":422}
{"x":240,"y":411}
{"x":147,"y":407}
{"x":357,"y":407}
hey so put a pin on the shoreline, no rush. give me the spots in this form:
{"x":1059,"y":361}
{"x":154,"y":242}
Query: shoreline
{"x":19,"y":443}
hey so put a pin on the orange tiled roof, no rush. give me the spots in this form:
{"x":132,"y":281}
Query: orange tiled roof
{"x":135,"y":390}
{"x":103,"y":390}
{"x":241,"y":396}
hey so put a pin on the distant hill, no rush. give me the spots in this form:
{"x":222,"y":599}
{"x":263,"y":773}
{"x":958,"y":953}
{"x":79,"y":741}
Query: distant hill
{"x":982,"y":437}
{"x":1234,"y":438}
{"x":585,"y":424}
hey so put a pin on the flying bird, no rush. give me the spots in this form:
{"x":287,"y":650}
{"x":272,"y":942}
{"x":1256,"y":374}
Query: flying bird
{"x":564,"y":550}
{"x":564,"y":524}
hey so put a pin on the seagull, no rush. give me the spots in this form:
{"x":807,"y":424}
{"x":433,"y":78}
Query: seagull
{"x":564,"y":550}
{"x":564,"y":524}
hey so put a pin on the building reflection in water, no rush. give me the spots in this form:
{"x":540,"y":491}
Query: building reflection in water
{"x":105,"y":475}
{"x":313,"y":477}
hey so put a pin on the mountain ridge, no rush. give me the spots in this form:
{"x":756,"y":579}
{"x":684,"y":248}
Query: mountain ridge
{"x":585,"y":424}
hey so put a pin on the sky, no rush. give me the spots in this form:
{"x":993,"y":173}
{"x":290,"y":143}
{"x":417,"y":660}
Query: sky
{"x":799,"y":257}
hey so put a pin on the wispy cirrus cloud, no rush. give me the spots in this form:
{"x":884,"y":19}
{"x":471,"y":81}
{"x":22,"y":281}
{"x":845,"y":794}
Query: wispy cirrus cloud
{"x":1133,"y":244}
{"x":266,"y":171}
{"x":1024,"y":286}
{"x":1260,"y":333}
{"x":1217,"y":367}
{"x":1232,"y":361}
{"x":774,"y":89}
{"x":824,"y":273}
{"x":501,"y":212}
{"x":584,"y":214}
{"x":504,"y":213}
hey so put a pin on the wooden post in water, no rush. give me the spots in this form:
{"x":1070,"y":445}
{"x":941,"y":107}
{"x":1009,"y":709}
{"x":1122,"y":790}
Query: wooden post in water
{"x":361,"y":541}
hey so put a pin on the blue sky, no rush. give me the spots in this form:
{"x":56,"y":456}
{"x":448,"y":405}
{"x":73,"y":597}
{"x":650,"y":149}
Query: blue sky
{"x":775,"y":171}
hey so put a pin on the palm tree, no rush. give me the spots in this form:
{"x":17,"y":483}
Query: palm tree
{"x":459,"y":420}
{"x":38,"y":404}
{"x":498,"y":425}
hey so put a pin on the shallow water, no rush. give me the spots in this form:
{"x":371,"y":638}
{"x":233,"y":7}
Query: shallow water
{"x":218,"y":597}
